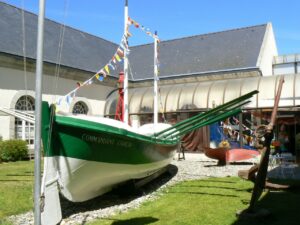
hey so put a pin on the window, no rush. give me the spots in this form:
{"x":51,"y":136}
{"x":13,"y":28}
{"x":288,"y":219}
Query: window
{"x":25,"y":130}
{"x":80,"y":108}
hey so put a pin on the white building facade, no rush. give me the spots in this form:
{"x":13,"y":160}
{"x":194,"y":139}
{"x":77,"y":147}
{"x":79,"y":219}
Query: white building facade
{"x":196,"y":73}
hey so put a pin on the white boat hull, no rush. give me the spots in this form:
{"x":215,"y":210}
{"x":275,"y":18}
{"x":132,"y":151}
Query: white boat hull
{"x":81,"y":180}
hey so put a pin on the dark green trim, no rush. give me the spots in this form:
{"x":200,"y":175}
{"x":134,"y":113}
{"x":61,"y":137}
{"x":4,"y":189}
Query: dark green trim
{"x":97,"y":127}
{"x":87,"y":140}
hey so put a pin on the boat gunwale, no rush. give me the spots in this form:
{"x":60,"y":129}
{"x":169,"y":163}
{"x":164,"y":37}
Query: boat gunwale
{"x":96,"y":126}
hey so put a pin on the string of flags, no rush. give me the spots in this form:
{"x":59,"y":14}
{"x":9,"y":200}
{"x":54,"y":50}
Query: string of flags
{"x":102,"y":73}
{"x":141,"y":27}
{"x":118,"y":57}
{"x":148,"y":32}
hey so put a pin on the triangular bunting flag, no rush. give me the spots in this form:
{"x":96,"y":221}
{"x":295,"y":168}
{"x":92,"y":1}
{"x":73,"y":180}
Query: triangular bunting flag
{"x":117,"y":57}
{"x":100,"y":77}
{"x":128,"y":34}
{"x":59,"y":101}
{"x":111,"y":66}
{"x":106,"y":69}
{"x":120,"y":52}
{"x":114,"y":59}
{"x":69,"y":99}
{"x":102,"y":72}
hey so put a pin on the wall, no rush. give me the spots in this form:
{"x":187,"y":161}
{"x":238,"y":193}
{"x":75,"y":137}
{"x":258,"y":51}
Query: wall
{"x":286,"y":68}
{"x":267,"y":53}
{"x":5,"y":131}
{"x":6,"y":96}
{"x":14,"y":84}
{"x":12,"y":80}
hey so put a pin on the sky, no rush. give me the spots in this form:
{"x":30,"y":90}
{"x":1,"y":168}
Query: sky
{"x":174,"y":19}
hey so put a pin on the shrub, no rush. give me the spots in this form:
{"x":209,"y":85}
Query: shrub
{"x":13,"y":150}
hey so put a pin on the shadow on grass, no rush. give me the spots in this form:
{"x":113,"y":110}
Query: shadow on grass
{"x":206,"y":186}
{"x":15,"y":181}
{"x":117,"y":196}
{"x":18,"y":175}
{"x":232,"y":164}
{"x":282,"y":205}
{"x":201,"y":193}
{"x":136,"y":221}
{"x":210,"y":180}
{"x":241,"y":163}
{"x":216,"y":187}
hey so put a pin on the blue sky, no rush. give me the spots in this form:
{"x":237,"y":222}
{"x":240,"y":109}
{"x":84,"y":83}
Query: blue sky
{"x":175,"y":18}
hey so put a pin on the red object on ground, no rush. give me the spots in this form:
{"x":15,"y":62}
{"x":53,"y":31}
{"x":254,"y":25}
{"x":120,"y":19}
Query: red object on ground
{"x":226,"y":156}
{"x":240,"y":154}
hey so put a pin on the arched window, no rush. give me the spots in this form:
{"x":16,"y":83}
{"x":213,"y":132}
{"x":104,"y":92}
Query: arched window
{"x":25,"y":130}
{"x":80,"y":108}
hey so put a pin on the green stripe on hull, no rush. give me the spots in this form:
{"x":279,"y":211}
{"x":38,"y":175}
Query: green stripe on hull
{"x":107,"y":147}
{"x":93,"y":126}
{"x":93,"y":141}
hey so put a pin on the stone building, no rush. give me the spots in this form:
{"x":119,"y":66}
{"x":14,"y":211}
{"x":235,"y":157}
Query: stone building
{"x":196,"y":73}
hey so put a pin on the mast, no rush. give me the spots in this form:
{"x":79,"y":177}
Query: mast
{"x":155,"y":107}
{"x":38,"y":112}
{"x":126,"y":116}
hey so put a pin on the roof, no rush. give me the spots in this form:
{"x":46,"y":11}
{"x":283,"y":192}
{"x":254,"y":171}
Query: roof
{"x":80,"y":50}
{"x":226,"y":50}
{"x":220,"y":51}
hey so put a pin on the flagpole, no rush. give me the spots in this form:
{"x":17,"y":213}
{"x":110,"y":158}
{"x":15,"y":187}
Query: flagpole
{"x":38,"y":112}
{"x":125,"y":110}
{"x":155,"y":108}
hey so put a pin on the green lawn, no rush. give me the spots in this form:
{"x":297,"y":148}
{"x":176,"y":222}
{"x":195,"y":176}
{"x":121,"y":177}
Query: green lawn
{"x":210,"y":202}
{"x":201,"y":202}
{"x":16,"y":179}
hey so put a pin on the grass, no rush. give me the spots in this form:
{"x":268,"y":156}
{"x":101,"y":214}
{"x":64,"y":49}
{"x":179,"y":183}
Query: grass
{"x":210,"y":202}
{"x":16,"y":188}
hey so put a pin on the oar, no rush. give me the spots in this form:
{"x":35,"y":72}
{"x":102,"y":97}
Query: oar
{"x":187,"y":123}
{"x":210,"y":112}
{"x":207,"y":122}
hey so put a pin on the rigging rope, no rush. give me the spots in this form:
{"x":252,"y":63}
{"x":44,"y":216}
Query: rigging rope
{"x":58,"y":64}
{"x":60,"y":48}
{"x":25,"y":82}
{"x":55,"y":88}
{"x":24,"y":50}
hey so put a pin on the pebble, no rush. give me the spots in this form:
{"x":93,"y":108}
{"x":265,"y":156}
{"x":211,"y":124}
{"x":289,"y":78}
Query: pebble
{"x":195,"y":166}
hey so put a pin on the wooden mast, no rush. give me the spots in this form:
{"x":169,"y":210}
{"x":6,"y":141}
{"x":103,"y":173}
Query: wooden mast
{"x":126,"y":110}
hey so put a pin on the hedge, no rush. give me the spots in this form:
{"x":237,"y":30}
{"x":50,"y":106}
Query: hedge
{"x":13,"y":150}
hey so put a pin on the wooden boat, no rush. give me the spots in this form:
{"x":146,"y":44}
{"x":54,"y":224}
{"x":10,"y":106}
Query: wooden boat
{"x":86,"y":156}
{"x":226,"y":155}
{"x":89,"y":156}
{"x":93,"y":155}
